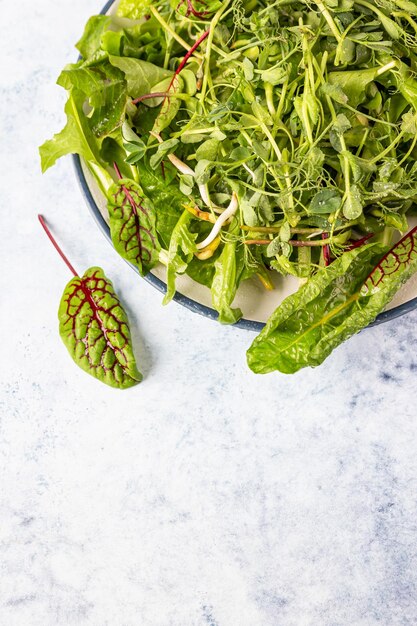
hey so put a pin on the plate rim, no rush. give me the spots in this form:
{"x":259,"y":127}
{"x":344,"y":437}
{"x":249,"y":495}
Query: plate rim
{"x":187,"y":302}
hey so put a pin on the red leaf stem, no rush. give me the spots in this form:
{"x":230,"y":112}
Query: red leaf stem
{"x":177,"y":71}
{"x":359,"y":242}
{"x":326,"y":250}
{"x":191,"y":10}
{"x":56,"y":246}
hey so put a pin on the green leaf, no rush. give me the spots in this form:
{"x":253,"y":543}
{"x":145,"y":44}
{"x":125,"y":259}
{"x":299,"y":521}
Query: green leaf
{"x":186,"y":184}
{"x":164,"y":148}
{"x":261,"y":113}
{"x":323,"y":313}
{"x":335,"y":92}
{"x":285,"y":232}
{"x":409,"y":125}
{"x":132,"y":225}
{"x":105,"y":88}
{"x":75,"y":138}
{"x":247,"y":68}
{"x":360,"y":168}
{"x":170,"y":106}
{"x":166,"y":197}
{"x":354,"y":83}
{"x":275,"y":76}
{"x":94,"y":327}
{"x":90,"y":42}
{"x":250,"y":217}
{"x":325,"y":202}
{"x":274,"y":248}
{"x":208,"y":150}
{"x":190,"y":81}
{"x":181,"y":250}
{"x":352,"y":207}
{"x":133,"y":9}
{"x":203,"y":171}
{"x":225,"y":284}
{"x":140,"y":75}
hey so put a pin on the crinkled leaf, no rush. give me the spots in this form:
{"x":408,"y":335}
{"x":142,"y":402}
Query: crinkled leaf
{"x":133,"y":9}
{"x":75,"y":138}
{"x":323,"y":313}
{"x":90,"y":41}
{"x":105,"y":88}
{"x":132,"y":225}
{"x":94,"y":327}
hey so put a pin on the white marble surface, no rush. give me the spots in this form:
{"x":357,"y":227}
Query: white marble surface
{"x":206,"y":495}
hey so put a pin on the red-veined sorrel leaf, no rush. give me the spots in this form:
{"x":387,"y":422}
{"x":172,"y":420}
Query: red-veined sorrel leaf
{"x":395,"y":267}
{"x":132,"y":224}
{"x":94,"y":326}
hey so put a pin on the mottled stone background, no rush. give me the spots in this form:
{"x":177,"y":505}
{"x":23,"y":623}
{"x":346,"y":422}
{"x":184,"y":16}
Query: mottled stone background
{"x":206,"y":495}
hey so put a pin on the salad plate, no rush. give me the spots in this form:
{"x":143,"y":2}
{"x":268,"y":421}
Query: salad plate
{"x":255,"y":302}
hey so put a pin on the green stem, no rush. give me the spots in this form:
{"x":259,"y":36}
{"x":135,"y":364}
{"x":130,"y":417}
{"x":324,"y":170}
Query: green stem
{"x":269,"y":94}
{"x":171,"y":31}
{"x":213,"y":25}
{"x":331,"y":23}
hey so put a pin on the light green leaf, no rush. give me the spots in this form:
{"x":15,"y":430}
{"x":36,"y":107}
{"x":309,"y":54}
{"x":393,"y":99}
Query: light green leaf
{"x":170,"y":107}
{"x":141,"y":76}
{"x":352,"y":207}
{"x":75,"y":138}
{"x":90,"y":42}
{"x":208,"y":150}
{"x":247,"y":68}
{"x":105,"y":88}
{"x":275,"y":75}
{"x":181,"y":249}
{"x":133,"y":9}
{"x":95,"y":330}
{"x":224,"y":285}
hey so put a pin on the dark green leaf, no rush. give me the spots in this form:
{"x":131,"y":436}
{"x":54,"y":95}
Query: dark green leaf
{"x":325,"y":311}
{"x":325,"y":201}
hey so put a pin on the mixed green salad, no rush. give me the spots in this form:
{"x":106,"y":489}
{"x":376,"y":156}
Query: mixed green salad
{"x":242,"y":139}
